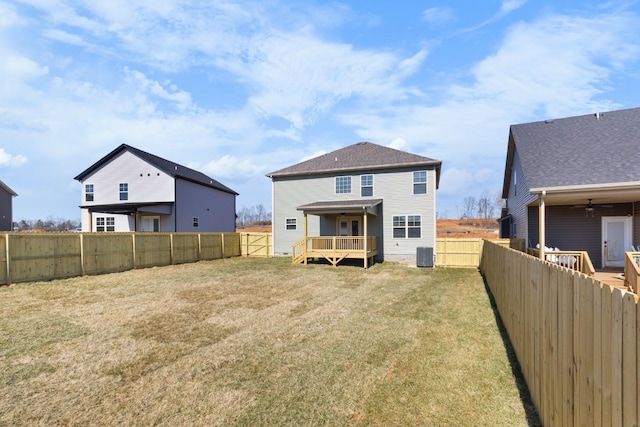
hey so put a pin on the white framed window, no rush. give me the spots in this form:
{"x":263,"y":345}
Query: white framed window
{"x":88,"y":192}
{"x":420,"y":182}
{"x":291,"y":224}
{"x":343,"y":184}
{"x":407,"y":226}
{"x":124,"y":191}
{"x":105,"y":223}
{"x":196,"y":222}
{"x":366,"y":185}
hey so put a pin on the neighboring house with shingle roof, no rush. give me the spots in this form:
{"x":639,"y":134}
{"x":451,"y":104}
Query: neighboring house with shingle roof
{"x":582,"y":176}
{"x":361,"y":190}
{"x":132,"y":190}
{"x":6,"y":207}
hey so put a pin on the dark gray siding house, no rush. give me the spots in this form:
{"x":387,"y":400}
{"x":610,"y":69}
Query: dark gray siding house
{"x":6,"y":207}
{"x":132,"y":190}
{"x":582,"y":176}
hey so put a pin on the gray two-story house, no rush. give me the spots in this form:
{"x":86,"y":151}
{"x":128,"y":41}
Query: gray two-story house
{"x":132,"y":190}
{"x":6,"y":207}
{"x":363,"y":201}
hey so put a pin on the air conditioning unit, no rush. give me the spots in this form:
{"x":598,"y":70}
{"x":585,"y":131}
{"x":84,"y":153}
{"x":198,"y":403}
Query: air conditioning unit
{"x":424,"y":257}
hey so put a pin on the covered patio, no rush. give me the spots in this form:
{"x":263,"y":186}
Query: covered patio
{"x":344,"y":233}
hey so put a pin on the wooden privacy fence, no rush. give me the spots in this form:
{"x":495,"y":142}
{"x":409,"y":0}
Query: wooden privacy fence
{"x":33,"y":257}
{"x":466,"y":252}
{"x":576,"y":339}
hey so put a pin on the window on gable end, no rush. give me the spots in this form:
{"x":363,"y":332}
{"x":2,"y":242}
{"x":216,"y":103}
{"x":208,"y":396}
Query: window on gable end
{"x":124,"y":191}
{"x":420,"y":182}
{"x":88,"y":192}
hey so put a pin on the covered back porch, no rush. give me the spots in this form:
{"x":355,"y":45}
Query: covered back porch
{"x":345,"y":232}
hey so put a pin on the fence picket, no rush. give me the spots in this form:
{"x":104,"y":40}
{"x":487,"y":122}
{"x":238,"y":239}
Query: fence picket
{"x":579,"y":349}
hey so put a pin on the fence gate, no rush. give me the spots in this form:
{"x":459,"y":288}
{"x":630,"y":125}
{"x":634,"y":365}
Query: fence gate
{"x":256,"y":244}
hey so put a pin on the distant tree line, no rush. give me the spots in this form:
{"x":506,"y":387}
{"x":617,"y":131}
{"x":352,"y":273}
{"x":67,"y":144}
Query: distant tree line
{"x":485,"y":208}
{"x":254,"y":215}
{"x":50,"y":224}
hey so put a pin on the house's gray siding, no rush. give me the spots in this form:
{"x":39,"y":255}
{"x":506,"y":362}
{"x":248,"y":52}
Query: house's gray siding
{"x":5,"y":210}
{"x":214,"y":209}
{"x":518,"y":200}
{"x":394,"y":186}
{"x":570,"y":229}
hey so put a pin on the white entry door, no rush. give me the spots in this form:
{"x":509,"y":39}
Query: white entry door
{"x":616,"y":240}
{"x":349,"y":226}
{"x":150,"y":223}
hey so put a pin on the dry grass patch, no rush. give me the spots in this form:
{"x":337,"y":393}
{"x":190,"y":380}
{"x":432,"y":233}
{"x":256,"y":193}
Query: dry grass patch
{"x":256,"y":342}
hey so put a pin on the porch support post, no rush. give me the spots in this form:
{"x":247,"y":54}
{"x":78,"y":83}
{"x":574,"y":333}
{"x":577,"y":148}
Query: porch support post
{"x":541,"y":224}
{"x":304,"y":231}
{"x":366,"y":237}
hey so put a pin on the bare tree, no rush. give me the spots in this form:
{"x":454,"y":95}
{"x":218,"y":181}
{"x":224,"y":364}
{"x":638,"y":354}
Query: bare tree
{"x":468,"y":207}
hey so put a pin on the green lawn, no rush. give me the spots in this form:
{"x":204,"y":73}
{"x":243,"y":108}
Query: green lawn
{"x":257,"y":342}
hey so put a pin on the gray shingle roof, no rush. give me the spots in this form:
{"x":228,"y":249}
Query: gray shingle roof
{"x":594,"y":149}
{"x":358,"y":157}
{"x":170,"y":168}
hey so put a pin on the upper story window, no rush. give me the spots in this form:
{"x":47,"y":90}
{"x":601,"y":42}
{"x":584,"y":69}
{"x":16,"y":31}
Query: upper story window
{"x":124,"y":191}
{"x":343,"y":184}
{"x":366,"y":185}
{"x":291,"y":223}
{"x":420,"y":182}
{"x":88,"y":192}
{"x":196,"y":222}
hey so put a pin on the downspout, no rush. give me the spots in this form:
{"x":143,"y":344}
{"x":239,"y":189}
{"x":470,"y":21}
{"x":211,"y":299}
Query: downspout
{"x":541,"y":224}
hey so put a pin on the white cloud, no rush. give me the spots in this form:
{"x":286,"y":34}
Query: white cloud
{"x":509,"y":6}
{"x":11,"y":160}
{"x":436,"y":16}
{"x":398,"y":144}
{"x":506,"y":8}
{"x":229,"y":166}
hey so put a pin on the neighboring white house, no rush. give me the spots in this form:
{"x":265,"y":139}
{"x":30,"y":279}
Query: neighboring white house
{"x":6,"y":207}
{"x":132,"y":190}
{"x":364,"y":189}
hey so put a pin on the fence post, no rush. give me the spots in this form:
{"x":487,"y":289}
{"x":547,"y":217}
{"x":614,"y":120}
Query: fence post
{"x":82,"y":253}
{"x":171,"y":255}
{"x":133,"y":249}
{"x":7,"y":246}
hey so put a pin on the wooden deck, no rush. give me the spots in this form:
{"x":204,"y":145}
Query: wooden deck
{"x":335,"y":249}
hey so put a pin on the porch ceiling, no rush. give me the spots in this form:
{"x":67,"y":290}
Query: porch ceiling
{"x":342,"y":206}
{"x":579,"y":195}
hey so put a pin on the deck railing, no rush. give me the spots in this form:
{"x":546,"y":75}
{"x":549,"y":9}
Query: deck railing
{"x":334,"y":248}
{"x":632,"y":270}
{"x":573,"y":260}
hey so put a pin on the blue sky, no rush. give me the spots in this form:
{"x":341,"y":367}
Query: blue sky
{"x":240,"y":89}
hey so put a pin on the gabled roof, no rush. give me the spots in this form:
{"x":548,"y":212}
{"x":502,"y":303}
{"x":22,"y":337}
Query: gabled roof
{"x":588,"y":150}
{"x":170,"y":168}
{"x":362,"y":156}
{"x":6,"y":188}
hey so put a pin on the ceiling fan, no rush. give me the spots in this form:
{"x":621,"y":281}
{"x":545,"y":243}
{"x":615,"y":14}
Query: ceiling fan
{"x":589,"y":208}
